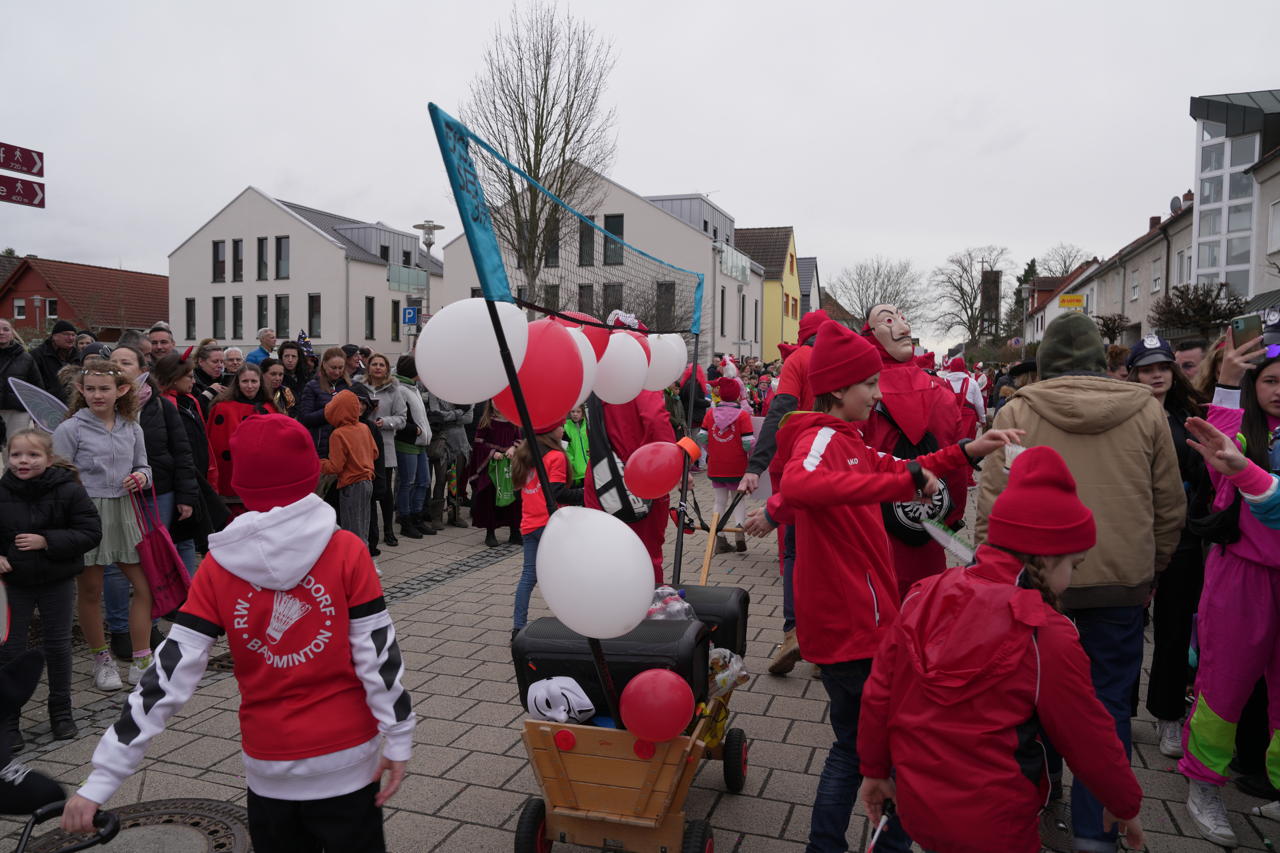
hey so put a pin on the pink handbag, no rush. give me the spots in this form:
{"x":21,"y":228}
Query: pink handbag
{"x":166,"y":573}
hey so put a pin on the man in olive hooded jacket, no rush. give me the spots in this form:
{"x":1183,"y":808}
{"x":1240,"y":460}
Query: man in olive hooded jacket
{"x":1115,"y":439}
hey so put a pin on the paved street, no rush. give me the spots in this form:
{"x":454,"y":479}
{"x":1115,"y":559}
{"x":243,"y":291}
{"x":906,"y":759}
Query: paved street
{"x":451,"y":600}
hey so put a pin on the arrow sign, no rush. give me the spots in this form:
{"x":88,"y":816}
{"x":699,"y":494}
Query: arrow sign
{"x":21,"y":191}
{"x":15,"y":158}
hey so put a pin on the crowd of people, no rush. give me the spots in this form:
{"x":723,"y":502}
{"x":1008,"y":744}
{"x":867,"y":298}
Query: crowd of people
{"x":1120,"y":488}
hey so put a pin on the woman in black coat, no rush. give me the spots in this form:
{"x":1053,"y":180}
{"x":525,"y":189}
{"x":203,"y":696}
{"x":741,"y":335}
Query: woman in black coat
{"x":296,"y":373}
{"x":15,"y":363}
{"x":47,"y":525}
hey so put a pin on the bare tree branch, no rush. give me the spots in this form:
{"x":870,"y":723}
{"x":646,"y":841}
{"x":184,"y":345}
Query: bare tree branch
{"x":955,"y":288}
{"x":1062,"y":259}
{"x":878,"y":281}
{"x":540,"y":102}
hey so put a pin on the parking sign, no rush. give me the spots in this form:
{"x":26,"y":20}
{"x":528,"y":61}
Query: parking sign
{"x":409,"y":316}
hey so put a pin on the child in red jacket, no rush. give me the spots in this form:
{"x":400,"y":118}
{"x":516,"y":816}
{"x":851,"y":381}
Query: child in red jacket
{"x":983,"y":651}
{"x":846,"y":591}
{"x":727,"y":432}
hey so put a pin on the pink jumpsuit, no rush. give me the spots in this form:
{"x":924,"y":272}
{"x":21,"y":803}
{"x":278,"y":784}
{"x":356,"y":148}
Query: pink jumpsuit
{"x":1238,"y":626}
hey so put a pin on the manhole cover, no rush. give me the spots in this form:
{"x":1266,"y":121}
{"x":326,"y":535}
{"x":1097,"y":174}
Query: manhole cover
{"x":169,"y":826}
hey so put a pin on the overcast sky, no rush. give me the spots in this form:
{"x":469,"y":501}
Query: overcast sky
{"x":906,"y":129}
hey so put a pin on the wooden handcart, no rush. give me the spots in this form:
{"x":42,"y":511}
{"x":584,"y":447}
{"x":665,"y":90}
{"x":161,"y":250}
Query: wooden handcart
{"x":607,"y":789}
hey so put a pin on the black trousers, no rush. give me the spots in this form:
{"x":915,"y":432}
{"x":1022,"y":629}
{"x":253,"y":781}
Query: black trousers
{"x":350,"y":823}
{"x":1173,"y":610}
{"x":384,"y":497}
{"x":55,"y":602}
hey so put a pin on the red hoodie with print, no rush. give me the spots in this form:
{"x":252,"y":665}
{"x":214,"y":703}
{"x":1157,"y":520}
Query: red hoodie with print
{"x":959,"y":690}
{"x":914,"y":405}
{"x":846,"y":591}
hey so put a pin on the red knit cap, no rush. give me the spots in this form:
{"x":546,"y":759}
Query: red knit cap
{"x":956,"y":365}
{"x":840,"y":359}
{"x":730,"y":390}
{"x":1038,"y":512}
{"x":810,"y":323}
{"x":276,"y":462}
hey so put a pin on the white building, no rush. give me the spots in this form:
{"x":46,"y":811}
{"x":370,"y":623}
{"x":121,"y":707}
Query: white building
{"x":1237,"y":137}
{"x":264,"y":262}
{"x":586,"y":273}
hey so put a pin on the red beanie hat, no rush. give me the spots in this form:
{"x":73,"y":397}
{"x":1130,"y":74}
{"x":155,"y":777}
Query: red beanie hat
{"x":810,"y":323}
{"x":1038,"y":512}
{"x":730,"y":389}
{"x":840,"y":359}
{"x":956,"y":365}
{"x":276,"y":462}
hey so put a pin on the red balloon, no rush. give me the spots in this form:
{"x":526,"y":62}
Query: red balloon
{"x":656,"y":705}
{"x":644,"y":344}
{"x":653,"y":469}
{"x":551,"y":376}
{"x":596,"y":336}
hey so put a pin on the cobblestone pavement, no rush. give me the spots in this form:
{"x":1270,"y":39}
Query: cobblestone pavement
{"x":451,"y":599}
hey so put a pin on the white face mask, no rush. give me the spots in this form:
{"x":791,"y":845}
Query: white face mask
{"x":559,"y":700}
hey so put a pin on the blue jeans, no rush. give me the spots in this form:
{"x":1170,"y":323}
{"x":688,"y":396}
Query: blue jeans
{"x":788,"y":569}
{"x":115,"y":586}
{"x":528,"y":578}
{"x":412,"y":482}
{"x":841,"y":774}
{"x":1112,"y":638}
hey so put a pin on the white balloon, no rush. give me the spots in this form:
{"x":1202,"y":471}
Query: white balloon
{"x":588,"y":355}
{"x":457,"y":352}
{"x":621,"y":372}
{"x":595,"y":597}
{"x":666,"y":362}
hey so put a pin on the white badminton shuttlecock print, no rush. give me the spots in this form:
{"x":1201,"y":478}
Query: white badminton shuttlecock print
{"x":285,"y":611}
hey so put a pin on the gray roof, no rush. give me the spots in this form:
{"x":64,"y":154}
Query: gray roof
{"x":807,"y":269}
{"x":326,"y":222}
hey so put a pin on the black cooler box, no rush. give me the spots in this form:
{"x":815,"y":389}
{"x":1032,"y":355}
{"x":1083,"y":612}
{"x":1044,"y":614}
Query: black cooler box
{"x":724,"y":610}
{"x":546,"y":648}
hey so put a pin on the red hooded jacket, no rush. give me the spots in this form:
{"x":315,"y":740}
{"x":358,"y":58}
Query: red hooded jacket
{"x":917,"y":403}
{"x":965,"y":678}
{"x":846,"y":592}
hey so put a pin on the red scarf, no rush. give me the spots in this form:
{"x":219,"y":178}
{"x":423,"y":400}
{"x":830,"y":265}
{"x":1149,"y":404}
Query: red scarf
{"x":905,"y":389}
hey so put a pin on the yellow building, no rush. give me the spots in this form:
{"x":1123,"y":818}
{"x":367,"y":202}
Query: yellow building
{"x":775,"y":250}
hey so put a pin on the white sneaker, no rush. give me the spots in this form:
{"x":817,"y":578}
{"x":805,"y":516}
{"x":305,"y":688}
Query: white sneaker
{"x":1204,"y":801}
{"x":105,"y":675}
{"x":1170,"y":738}
{"x":135,"y":674}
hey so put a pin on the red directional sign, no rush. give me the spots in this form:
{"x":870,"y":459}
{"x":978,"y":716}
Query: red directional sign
{"x":21,"y":191}
{"x":15,"y":158}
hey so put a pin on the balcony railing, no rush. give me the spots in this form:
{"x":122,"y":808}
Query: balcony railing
{"x":407,"y":279}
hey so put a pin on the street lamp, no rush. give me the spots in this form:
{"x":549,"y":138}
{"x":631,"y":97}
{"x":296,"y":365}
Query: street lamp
{"x":35,"y":303}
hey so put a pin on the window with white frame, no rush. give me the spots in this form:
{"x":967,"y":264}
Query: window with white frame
{"x":19,"y":309}
{"x":51,"y":308}
{"x":1182,"y":266}
{"x":1223,"y":226}
{"x":1134,"y":286}
{"x":1155,"y":275}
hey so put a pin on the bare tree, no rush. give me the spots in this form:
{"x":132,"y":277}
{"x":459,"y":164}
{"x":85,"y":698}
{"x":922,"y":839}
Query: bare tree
{"x":1206,"y":308}
{"x":540,"y":102}
{"x":1111,"y":326}
{"x":1062,"y":259}
{"x":878,"y":281}
{"x":955,"y":288}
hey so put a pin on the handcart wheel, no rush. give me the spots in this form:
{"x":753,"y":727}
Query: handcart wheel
{"x":531,"y":829}
{"x":735,"y":760}
{"x":698,"y":838}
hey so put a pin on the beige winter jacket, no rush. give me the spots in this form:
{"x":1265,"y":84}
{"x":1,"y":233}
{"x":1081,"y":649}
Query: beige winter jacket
{"x":1115,"y":439}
